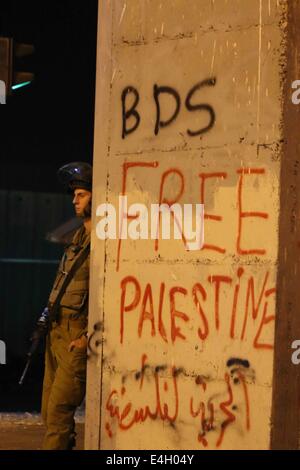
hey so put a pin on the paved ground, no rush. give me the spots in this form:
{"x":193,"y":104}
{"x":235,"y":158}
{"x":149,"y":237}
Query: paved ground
{"x":25,"y":432}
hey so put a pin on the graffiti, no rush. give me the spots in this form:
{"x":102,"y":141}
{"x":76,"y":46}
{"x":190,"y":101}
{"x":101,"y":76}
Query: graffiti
{"x":95,"y":340}
{"x":234,"y":304}
{"x":227,"y":410}
{"x":243,"y":215}
{"x":207,"y":425}
{"x":131,"y":113}
{"x":238,"y":362}
{"x":129,"y":416}
{"x":253,"y":301}
{"x":163,"y":400}
{"x":162,"y":198}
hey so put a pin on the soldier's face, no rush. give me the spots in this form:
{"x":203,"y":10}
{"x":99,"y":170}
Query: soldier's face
{"x":82,"y":201}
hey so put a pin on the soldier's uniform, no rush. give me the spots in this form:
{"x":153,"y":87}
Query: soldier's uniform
{"x":65,"y":371}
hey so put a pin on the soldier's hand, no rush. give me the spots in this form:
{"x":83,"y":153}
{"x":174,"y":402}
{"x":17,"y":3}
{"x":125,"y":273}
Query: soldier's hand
{"x":80,"y":343}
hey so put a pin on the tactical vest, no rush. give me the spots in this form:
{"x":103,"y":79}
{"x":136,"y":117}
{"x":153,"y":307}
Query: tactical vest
{"x":75,"y":299}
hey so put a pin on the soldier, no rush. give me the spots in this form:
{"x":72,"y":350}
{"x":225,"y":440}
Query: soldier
{"x":66,"y":345}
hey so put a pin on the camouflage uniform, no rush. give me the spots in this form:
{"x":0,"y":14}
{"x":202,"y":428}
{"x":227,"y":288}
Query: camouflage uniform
{"x":65,"y":372}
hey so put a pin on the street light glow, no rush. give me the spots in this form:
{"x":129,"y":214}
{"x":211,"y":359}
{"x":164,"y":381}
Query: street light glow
{"x":21,"y":85}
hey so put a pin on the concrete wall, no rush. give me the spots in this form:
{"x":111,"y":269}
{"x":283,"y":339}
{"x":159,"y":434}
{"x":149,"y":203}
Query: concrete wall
{"x":182,"y":342}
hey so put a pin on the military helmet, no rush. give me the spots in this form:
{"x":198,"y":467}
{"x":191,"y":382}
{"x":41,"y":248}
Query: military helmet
{"x":76,"y":175}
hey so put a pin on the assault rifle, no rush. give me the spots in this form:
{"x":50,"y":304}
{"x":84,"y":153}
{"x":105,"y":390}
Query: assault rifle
{"x":38,"y":334}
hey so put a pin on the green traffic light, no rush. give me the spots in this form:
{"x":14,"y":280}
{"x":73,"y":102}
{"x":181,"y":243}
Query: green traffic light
{"x":21,"y":85}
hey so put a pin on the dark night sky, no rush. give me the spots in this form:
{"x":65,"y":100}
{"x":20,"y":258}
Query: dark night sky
{"x":51,"y":122}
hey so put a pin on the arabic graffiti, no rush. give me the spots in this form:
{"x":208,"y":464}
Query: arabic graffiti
{"x":162,"y":399}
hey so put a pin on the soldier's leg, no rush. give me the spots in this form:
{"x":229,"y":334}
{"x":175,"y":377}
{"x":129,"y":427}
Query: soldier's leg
{"x":49,"y":375}
{"x":67,"y":393}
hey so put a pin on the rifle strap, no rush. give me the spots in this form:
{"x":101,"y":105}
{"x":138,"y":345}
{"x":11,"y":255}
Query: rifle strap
{"x":54,"y":308}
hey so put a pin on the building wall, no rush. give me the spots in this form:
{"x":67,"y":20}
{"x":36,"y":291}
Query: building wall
{"x":182,"y":342}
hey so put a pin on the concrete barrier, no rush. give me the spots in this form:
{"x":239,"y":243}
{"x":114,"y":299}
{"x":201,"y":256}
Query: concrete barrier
{"x":189,"y":109}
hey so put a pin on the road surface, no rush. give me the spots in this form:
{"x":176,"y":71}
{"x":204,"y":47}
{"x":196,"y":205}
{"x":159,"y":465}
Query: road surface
{"x":25,"y":432}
